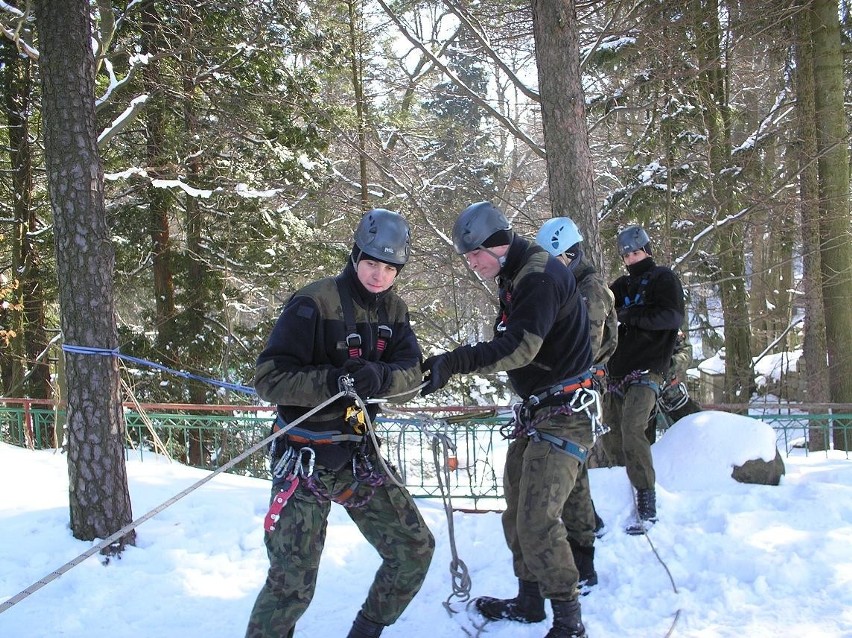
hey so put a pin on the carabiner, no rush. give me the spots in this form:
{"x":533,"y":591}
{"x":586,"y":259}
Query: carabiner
{"x":312,"y":457}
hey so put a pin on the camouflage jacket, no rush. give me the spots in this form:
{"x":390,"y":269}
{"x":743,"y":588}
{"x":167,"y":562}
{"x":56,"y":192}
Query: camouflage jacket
{"x":600,"y":306}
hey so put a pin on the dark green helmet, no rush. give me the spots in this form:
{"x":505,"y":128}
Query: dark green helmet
{"x":633,"y":238}
{"x":384,"y":235}
{"x":477,"y":223}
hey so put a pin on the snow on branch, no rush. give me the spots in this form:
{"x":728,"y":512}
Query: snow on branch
{"x":121,"y":122}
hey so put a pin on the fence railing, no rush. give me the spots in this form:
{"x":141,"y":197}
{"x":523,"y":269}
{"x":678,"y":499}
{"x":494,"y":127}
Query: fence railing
{"x":210,"y":436}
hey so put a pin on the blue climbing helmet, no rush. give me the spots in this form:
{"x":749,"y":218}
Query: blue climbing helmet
{"x":558,"y":235}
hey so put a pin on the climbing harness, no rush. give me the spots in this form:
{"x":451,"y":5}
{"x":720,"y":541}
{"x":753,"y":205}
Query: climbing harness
{"x":637,"y":377}
{"x":364,"y":474}
{"x":578,"y":396}
{"x":639,"y":298}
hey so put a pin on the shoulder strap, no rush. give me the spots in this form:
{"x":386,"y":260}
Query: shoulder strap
{"x":353,"y":339}
{"x":639,"y":297}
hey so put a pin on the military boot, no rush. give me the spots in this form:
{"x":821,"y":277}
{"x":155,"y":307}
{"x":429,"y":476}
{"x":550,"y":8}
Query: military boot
{"x":584,"y":560}
{"x":646,"y":504}
{"x":527,"y":606}
{"x":646,"y":509}
{"x":365,"y":628}
{"x":566,"y":620}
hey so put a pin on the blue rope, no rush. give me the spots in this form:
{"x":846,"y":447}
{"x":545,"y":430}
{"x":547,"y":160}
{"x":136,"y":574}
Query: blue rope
{"x":186,"y":375}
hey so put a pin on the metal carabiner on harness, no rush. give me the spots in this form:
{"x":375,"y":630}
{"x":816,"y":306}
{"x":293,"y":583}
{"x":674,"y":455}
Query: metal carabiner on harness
{"x":283,"y":466}
{"x":588,"y":401}
{"x":306,"y":470}
{"x":345,"y":383}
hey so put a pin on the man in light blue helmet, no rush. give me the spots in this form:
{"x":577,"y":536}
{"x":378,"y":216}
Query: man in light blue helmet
{"x":561,"y":238}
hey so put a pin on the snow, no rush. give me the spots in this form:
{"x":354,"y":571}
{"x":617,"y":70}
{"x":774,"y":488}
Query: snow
{"x":726,"y":559}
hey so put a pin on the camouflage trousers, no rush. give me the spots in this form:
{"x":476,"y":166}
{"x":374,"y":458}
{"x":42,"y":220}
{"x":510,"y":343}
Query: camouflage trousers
{"x":389,"y":521}
{"x":626,"y":413}
{"x":578,"y":515}
{"x":537,"y":482}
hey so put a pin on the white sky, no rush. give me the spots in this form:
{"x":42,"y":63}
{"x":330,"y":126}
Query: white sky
{"x":745,"y":560}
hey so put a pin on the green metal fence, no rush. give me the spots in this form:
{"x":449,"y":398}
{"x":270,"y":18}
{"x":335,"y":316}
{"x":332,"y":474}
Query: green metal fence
{"x":210,"y":436}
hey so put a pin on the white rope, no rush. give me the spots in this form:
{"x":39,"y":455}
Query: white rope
{"x":14,"y":600}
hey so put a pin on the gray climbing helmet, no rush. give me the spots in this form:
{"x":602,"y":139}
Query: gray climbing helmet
{"x":477,"y":223}
{"x":633,"y":238}
{"x":384,"y":235}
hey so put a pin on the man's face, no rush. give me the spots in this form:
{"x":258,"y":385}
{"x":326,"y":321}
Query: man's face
{"x":634,"y":257}
{"x":376,"y":276}
{"x":485,"y":261}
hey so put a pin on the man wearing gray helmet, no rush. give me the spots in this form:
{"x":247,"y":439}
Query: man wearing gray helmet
{"x":355,"y":327}
{"x":541,"y":339}
{"x":649,"y":303}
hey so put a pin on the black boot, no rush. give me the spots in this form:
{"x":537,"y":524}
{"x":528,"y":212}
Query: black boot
{"x":566,"y":620}
{"x":646,"y":510}
{"x":646,"y":504}
{"x":600,"y":526}
{"x":365,"y":628}
{"x":527,"y":606}
{"x":584,"y":560}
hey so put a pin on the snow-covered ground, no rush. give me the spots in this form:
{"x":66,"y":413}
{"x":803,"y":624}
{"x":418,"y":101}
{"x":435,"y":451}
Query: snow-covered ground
{"x":726,"y":559}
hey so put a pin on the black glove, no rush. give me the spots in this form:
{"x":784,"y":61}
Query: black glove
{"x":368,"y":377}
{"x":441,"y":367}
{"x":439,"y":370}
{"x":625,"y":315}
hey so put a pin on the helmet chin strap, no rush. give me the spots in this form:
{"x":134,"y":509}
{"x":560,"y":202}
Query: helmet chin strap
{"x":500,"y":260}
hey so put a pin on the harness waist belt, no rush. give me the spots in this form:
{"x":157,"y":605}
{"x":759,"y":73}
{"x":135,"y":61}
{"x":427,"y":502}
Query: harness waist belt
{"x":563,"y":387}
{"x":326,"y":437}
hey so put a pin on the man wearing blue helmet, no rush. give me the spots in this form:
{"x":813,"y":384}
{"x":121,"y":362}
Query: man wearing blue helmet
{"x":541,"y":339}
{"x":649,"y":303}
{"x":561,"y":238}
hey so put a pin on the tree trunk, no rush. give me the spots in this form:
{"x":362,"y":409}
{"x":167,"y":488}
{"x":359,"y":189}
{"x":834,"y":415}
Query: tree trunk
{"x":13,"y":353}
{"x":836,"y":249}
{"x":814,"y":347}
{"x":738,"y":366}
{"x":99,"y":497}
{"x":158,"y":198}
{"x":196,"y":283}
{"x":356,"y":61}
{"x":570,"y":174}
{"x":29,"y":371}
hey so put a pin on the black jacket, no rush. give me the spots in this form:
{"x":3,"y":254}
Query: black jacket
{"x":649,"y":303}
{"x":301,"y":363}
{"x":541,"y":336}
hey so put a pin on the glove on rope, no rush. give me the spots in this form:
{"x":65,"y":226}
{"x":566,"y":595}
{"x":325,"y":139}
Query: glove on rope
{"x":367,"y":376}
